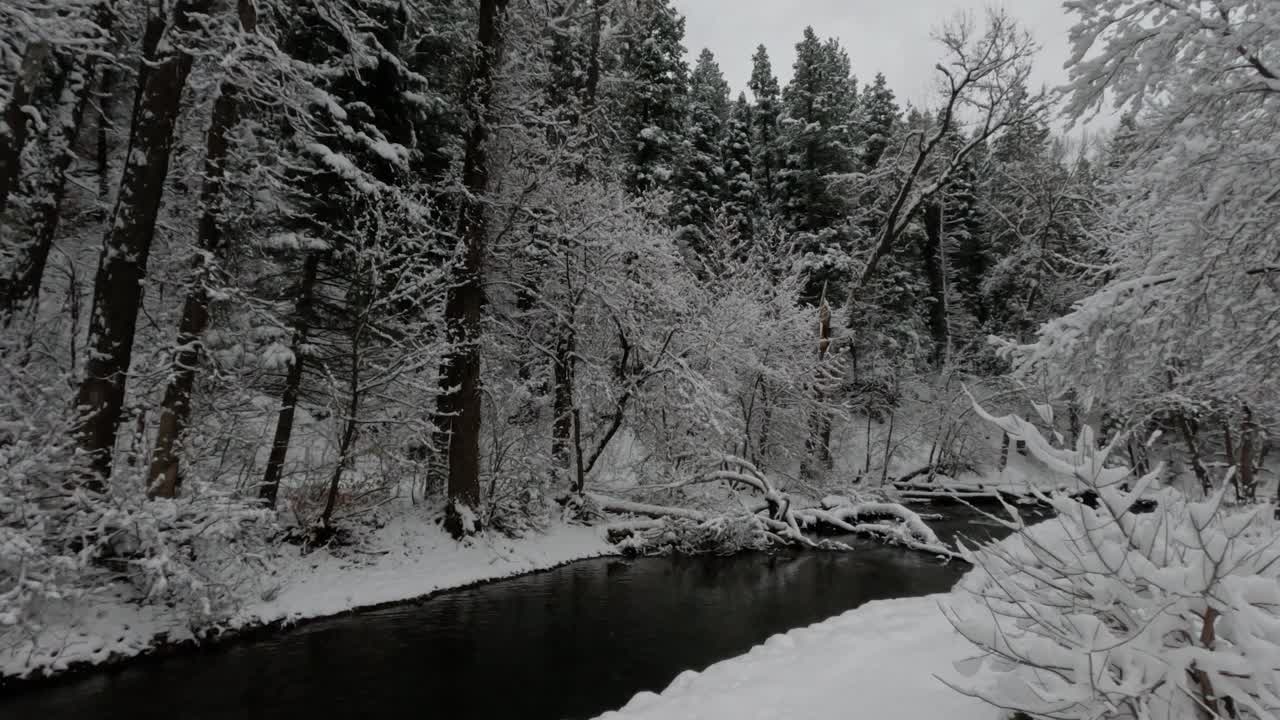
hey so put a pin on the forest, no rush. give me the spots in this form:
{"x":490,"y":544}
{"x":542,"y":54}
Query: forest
{"x":276,"y":275}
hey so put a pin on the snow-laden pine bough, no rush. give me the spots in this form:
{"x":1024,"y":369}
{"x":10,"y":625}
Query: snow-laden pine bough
{"x":1104,"y":612}
{"x":772,"y":519}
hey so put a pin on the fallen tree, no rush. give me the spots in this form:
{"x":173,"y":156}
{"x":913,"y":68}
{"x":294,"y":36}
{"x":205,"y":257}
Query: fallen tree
{"x":774,"y":519}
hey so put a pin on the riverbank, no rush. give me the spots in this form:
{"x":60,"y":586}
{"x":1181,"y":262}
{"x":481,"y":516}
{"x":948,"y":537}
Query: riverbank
{"x":406,"y":559}
{"x":880,"y":660}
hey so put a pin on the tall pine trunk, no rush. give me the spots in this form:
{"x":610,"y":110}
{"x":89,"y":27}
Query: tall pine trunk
{"x":175,"y":409}
{"x":122,"y":267}
{"x":292,"y":384}
{"x":461,"y":376}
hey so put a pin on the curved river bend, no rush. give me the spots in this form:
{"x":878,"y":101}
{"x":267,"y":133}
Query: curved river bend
{"x":568,"y":643}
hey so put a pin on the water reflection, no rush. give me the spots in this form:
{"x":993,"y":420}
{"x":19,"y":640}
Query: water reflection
{"x":569,"y":643}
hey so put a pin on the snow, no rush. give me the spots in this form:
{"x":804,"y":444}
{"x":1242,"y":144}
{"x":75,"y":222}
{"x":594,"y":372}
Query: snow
{"x":881,"y":660}
{"x":407,"y":558}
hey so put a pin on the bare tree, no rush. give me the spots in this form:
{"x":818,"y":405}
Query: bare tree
{"x":984,"y":78}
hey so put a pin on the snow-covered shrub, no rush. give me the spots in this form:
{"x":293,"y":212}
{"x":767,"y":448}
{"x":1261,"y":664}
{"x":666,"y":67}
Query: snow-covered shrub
{"x":62,"y":541}
{"x":517,"y":506}
{"x":1102,"y":612}
{"x":719,"y":535}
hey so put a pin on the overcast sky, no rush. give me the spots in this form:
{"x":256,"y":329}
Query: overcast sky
{"x":889,"y":36}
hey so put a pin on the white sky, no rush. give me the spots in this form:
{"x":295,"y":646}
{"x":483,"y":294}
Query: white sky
{"x":889,"y":36}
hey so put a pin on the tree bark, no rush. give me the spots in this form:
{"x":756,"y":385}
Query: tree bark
{"x":1229,"y":447}
{"x":292,"y":385}
{"x":73,"y":87}
{"x":348,"y":432}
{"x":819,"y":441}
{"x":175,"y":409}
{"x":13,"y":125}
{"x":122,"y":266}
{"x":931,"y":252}
{"x":106,"y":91}
{"x":1193,"y":449}
{"x":562,"y":398}
{"x":1248,"y":480}
{"x":466,"y":299}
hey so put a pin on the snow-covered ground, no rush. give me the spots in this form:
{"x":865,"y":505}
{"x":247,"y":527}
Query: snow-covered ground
{"x":881,"y":660}
{"x":405,"y":559}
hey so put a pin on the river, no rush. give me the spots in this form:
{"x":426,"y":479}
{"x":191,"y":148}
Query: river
{"x":568,"y":643}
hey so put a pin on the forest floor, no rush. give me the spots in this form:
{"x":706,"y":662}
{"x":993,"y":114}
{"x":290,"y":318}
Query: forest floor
{"x":881,"y":660}
{"x":407,"y":558}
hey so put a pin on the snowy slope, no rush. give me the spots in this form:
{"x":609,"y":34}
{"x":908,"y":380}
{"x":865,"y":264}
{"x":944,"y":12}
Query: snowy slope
{"x":407,"y":558}
{"x":876,"y":661}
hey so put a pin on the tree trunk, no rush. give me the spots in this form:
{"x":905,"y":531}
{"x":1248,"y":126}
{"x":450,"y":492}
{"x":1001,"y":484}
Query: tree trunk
{"x":348,"y":433}
{"x":175,"y":409}
{"x":106,"y":93}
{"x":1193,"y":449}
{"x":74,"y":85}
{"x":562,"y":400}
{"x":931,"y":251}
{"x":461,"y":376}
{"x":122,"y":267}
{"x":1229,"y":448}
{"x":1248,"y":480}
{"x":819,"y":441}
{"x":13,"y":125}
{"x":888,"y":447}
{"x":292,"y":385}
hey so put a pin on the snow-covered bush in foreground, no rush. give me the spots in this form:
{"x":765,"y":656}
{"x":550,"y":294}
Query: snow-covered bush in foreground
{"x":62,"y":542}
{"x":1102,"y":612}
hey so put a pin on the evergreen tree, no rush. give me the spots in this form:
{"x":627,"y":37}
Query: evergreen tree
{"x":699,"y":182}
{"x":879,"y":114}
{"x":654,"y":87}
{"x":741,"y":196}
{"x":766,"y":158}
{"x":971,"y":257}
{"x":359,"y":140}
{"x":816,"y":138}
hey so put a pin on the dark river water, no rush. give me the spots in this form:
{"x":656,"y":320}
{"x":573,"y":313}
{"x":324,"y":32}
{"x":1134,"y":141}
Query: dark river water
{"x":567,"y":643}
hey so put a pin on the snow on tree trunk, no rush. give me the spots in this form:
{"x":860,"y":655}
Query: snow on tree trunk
{"x":931,"y":250}
{"x":292,"y":384}
{"x":463,"y":308}
{"x":13,"y":125}
{"x":562,"y":396}
{"x":175,"y":409}
{"x":118,"y":286}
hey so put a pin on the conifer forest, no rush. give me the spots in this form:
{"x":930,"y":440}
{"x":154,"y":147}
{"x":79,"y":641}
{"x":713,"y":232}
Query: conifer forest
{"x":308,"y":306}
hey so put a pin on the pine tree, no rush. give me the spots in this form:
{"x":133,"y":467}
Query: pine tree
{"x":972,"y":257}
{"x":176,"y":406}
{"x":699,"y":182}
{"x":654,"y":88}
{"x":741,"y":197}
{"x":879,"y":115}
{"x":765,"y":115}
{"x":817,"y":137}
{"x":126,"y":247}
{"x":461,"y":402}
{"x":358,"y":139}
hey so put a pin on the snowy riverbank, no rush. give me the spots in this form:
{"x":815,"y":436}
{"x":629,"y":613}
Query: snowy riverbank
{"x":880,"y":660}
{"x":403,"y":560}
